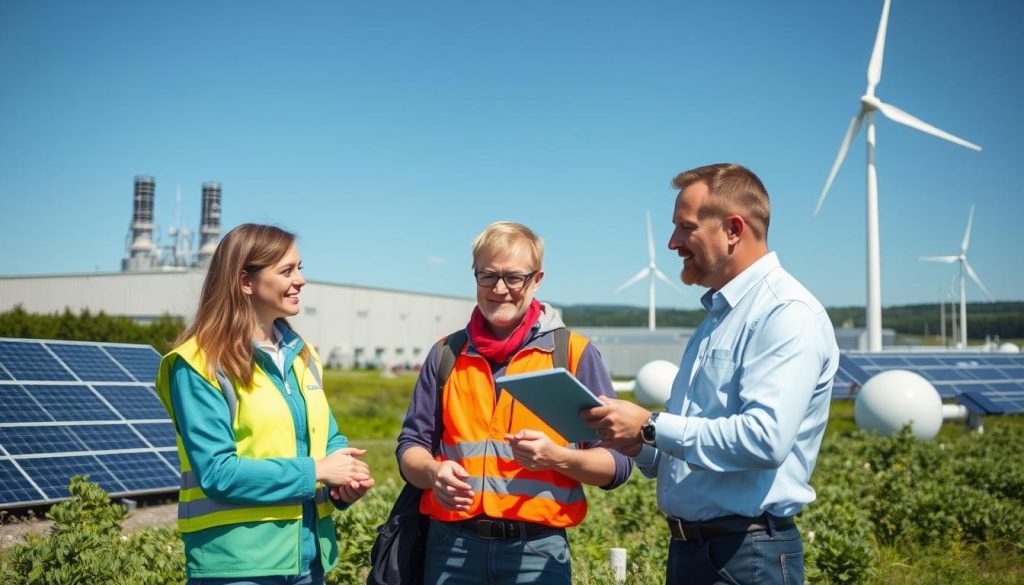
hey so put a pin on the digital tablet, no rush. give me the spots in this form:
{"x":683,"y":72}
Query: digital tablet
{"x":557,"y":397}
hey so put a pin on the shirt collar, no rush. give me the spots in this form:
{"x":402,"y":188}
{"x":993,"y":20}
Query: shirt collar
{"x":737,"y":288}
{"x":274,"y":345}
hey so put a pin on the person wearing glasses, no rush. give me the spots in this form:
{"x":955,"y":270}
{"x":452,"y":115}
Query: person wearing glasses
{"x":503,"y":486}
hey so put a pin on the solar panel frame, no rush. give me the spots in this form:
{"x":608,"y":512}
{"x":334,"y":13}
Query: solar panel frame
{"x":100,"y":418}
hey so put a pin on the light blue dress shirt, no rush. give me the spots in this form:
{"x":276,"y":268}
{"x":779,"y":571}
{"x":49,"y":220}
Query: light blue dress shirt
{"x":748,"y":408}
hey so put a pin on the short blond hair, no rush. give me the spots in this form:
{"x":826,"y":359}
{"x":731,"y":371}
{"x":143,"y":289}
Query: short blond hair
{"x":733,"y":188}
{"x":504,"y":235}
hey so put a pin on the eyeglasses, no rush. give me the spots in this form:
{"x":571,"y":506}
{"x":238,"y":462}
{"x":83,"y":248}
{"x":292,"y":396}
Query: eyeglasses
{"x":512,"y":281}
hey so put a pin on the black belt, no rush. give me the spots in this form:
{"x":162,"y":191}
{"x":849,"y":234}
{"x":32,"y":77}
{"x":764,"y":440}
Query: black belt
{"x":497,"y":528}
{"x":684,"y":530}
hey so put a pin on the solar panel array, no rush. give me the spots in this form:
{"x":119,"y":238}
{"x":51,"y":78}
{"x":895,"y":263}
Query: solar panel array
{"x":70,"y":408}
{"x":987,"y":383}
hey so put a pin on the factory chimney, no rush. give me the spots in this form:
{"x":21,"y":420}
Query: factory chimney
{"x":141,"y":251}
{"x":209,"y":225}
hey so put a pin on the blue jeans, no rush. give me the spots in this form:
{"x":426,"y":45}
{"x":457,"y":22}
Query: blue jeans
{"x":307,"y":578}
{"x":765,"y":557}
{"x":455,"y":556}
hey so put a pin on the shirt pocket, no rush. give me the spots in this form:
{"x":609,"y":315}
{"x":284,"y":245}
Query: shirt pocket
{"x":720,"y":359}
{"x":713,"y":383}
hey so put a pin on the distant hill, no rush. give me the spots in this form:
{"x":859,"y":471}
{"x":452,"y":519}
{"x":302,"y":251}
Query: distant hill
{"x":1005,"y":319}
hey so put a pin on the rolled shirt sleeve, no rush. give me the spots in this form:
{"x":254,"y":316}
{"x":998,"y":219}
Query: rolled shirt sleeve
{"x":591,"y":372}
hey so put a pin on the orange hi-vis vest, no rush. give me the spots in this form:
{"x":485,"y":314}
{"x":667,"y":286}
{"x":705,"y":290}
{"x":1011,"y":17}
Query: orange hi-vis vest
{"x":475,"y":425}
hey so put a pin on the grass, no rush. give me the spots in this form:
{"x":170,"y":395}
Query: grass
{"x":370,"y":409}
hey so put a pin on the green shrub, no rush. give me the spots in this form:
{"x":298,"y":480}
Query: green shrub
{"x":86,"y":546}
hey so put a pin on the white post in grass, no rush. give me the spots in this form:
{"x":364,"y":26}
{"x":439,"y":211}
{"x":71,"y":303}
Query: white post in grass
{"x":617,"y":561}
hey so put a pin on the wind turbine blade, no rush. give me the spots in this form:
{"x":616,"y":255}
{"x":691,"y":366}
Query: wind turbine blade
{"x":851,"y":133}
{"x":977,"y":281}
{"x":897,"y":115}
{"x":666,"y":280}
{"x":636,"y":278}
{"x":650,"y":240}
{"x":967,"y":234}
{"x":946,"y":259}
{"x":877,"y":54}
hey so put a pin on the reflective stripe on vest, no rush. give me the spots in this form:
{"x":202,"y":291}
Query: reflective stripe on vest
{"x":475,"y":424}
{"x":260,"y":432}
{"x":467,"y":449}
{"x":204,"y":506}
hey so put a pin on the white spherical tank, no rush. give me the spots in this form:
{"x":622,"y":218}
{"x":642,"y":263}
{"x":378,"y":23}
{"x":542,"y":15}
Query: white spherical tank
{"x":1009,"y":347}
{"x":654,"y":383}
{"x":894,"y":398}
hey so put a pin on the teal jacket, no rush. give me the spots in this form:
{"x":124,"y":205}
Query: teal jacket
{"x":205,"y":427}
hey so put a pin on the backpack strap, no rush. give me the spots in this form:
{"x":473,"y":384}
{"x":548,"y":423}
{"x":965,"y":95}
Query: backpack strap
{"x":560,"y":356}
{"x":451,"y":347}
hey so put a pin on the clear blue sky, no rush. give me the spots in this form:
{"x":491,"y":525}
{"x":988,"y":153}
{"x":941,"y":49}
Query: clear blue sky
{"x":388,"y":134}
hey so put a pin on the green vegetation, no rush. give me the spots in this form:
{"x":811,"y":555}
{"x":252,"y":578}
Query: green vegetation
{"x":86,"y":545}
{"x":86,"y":326}
{"x":888,"y":511}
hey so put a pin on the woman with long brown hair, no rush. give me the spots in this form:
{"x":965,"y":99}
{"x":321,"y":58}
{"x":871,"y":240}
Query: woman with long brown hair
{"x":263,"y":464}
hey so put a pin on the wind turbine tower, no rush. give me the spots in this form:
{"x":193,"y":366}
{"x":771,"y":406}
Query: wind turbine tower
{"x":964,"y":267}
{"x":869,"y":104}
{"x":651,"y":272}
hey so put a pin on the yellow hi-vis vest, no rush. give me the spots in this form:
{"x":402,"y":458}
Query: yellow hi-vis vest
{"x":263,"y":428}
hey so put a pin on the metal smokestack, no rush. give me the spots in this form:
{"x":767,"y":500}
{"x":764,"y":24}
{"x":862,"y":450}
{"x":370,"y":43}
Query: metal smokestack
{"x":141,"y":252}
{"x":209,"y":224}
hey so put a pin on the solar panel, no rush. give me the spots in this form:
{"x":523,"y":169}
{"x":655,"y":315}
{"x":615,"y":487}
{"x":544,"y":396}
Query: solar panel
{"x":141,"y":361}
{"x":89,"y":363}
{"x":134,"y":402}
{"x":31,"y":361}
{"x":987,"y":383}
{"x":70,"y":408}
{"x":53,"y":474}
{"x":16,"y":487}
{"x":17,"y":405}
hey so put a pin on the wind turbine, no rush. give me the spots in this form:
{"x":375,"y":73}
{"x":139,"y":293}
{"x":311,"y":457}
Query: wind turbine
{"x":651,"y":272}
{"x":869,"y":104}
{"x":964,"y":267}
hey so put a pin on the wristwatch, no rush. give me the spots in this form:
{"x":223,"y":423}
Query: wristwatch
{"x":648,"y":431}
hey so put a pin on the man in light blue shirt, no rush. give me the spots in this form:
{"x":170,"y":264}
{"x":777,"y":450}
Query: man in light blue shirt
{"x":734,"y":451}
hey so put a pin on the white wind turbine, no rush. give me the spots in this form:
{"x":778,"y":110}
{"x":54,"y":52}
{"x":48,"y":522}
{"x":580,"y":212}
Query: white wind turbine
{"x":869,"y":104}
{"x":964,"y":267}
{"x":652,"y":272}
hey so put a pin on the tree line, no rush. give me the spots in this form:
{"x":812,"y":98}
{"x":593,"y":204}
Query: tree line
{"x":1003,"y":319}
{"x":88,"y":326}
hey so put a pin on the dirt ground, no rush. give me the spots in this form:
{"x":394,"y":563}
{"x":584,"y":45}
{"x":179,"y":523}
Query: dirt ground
{"x":13,"y":531}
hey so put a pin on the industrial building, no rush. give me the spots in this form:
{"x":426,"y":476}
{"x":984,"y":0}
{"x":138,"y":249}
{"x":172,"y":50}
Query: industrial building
{"x":349,"y":325}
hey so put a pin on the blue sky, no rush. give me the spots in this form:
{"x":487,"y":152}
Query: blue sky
{"x":388,"y":134}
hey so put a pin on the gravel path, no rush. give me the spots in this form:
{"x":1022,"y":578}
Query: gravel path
{"x":14,"y":532}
